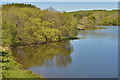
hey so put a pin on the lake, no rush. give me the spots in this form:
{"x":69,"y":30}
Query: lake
{"x":96,"y":56}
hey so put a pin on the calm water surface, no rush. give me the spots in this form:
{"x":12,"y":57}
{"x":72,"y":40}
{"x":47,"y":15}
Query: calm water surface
{"x":93,"y":57}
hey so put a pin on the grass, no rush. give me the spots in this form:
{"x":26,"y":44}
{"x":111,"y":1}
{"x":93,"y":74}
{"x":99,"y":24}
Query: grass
{"x":100,"y":28}
{"x":95,"y":28}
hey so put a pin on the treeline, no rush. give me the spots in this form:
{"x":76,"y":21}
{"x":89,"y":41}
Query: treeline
{"x":23,"y":25}
{"x":20,"y":5}
{"x":92,"y":18}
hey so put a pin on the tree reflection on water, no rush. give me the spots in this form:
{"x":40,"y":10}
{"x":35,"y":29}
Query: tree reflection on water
{"x":49,"y":54}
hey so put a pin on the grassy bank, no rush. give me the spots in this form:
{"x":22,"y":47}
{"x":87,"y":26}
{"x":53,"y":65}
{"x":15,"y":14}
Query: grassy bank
{"x":95,"y":28}
{"x":72,"y":38}
{"x":12,"y":69}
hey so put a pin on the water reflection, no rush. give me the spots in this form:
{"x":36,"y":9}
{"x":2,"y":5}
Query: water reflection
{"x":110,"y":33}
{"x":50,"y":54}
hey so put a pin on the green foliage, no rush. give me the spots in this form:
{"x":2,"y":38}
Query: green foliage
{"x":106,"y":20}
{"x":88,"y":13}
{"x":91,"y":19}
{"x":12,"y":69}
{"x":78,"y":16}
{"x":114,"y":21}
{"x":19,"y":5}
{"x":24,"y":24}
{"x":51,"y":34}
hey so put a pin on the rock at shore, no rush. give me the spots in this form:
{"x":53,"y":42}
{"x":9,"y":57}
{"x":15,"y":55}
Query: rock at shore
{"x":80,"y":27}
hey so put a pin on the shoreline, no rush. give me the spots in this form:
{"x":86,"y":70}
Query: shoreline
{"x":3,"y":48}
{"x":13,"y":69}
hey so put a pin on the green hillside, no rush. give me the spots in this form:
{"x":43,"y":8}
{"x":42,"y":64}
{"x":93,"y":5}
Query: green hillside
{"x":92,"y":18}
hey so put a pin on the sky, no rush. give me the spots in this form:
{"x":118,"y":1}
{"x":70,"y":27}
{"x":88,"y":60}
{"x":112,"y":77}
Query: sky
{"x":75,"y":6}
{"x":59,"y":0}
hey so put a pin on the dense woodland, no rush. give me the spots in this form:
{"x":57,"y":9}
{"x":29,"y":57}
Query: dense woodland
{"x":24,"y":24}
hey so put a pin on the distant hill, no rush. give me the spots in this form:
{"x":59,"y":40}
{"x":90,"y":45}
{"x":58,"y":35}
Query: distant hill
{"x":90,"y":18}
